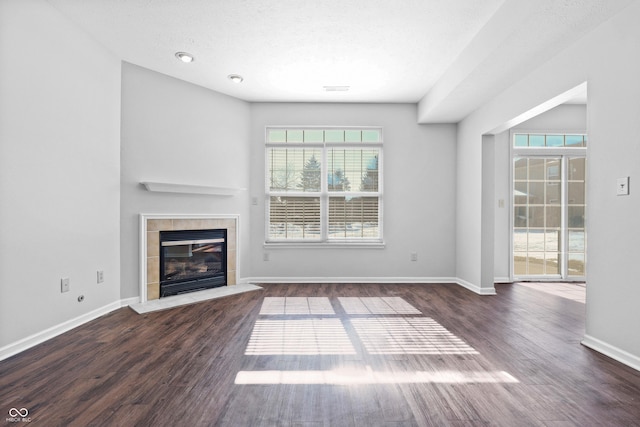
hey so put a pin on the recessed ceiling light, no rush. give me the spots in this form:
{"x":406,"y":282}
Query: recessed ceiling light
{"x":185,"y":57}
{"x":236,"y":78}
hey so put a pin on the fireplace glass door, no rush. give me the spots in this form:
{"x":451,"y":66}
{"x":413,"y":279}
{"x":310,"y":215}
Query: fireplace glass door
{"x":192,"y":260}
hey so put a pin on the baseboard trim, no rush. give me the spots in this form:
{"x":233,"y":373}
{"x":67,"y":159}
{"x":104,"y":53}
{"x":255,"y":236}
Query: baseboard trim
{"x":611,"y":351}
{"x":40,"y":337}
{"x":289,"y":279}
{"x":476,"y":289}
{"x":129,"y":301}
{"x":424,"y":280}
{"x":502,"y":280}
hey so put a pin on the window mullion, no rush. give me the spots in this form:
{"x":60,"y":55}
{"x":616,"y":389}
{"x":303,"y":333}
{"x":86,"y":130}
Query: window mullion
{"x":564,"y":221}
{"x":324,"y":196}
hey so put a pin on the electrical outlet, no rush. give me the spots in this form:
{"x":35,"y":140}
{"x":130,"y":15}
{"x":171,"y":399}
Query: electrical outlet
{"x":254,"y":201}
{"x":414,"y":256}
{"x":100,"y":276}
{"x":265,"y":256}
{"x":64,"y":284}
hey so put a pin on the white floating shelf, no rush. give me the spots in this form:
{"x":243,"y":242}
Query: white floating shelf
{"x":191,"y":189}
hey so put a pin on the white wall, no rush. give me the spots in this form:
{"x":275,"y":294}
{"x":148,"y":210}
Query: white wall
{"x":177,"y":132}
{"x":59,"y":170}
{"x":502,"y":215}
{"x":565,"y":118}
{"x":419,"y":198}
{"x":488,"y":214}
{"x":606,"y":59}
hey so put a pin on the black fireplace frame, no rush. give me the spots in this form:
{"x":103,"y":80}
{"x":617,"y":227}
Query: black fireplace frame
{"x":170,"y":287}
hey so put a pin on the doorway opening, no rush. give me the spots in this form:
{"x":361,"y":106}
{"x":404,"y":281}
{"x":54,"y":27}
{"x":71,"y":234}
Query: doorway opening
{"x":549,"y":200}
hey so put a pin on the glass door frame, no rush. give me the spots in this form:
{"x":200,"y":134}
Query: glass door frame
{"x":564,"y":153}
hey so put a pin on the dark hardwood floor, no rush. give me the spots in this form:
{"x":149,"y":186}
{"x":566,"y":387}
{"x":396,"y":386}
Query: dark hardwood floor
{"x":339,"y":354}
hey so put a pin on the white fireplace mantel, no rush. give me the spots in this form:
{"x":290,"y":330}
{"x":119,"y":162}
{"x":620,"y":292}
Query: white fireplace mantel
{"x":165,"y":187}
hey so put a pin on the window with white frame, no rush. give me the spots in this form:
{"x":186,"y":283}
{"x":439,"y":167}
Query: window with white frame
{"x":323,"y":185}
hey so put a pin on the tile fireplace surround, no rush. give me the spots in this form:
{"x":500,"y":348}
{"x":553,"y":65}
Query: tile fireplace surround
{"x":150,"y":227}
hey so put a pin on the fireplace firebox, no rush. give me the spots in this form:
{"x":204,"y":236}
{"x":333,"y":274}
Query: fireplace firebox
{"x":192,"y":260}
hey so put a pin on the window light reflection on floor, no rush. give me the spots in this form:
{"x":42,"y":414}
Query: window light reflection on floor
{"x":572,"y":291}
{"x":377,"y":305}
{"x":368,"y":376}
{"x":412,"y":335}
{"x":378,"y":331}
{"x":299,"y":337}
{"x":278,"y":306}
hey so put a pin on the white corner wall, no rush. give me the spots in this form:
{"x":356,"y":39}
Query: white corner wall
{"x":502,"y":214}
{"x":605,"y":58}
{"x":179,"y":133}
{"x":419,"y":198}
{"x":59,"y":173}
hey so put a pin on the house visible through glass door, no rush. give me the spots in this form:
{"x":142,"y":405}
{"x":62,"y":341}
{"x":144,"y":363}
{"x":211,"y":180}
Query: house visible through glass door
{"x":549,"y":200}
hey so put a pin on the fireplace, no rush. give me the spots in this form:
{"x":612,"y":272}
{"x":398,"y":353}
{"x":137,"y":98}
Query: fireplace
{"x":151,"y":225}
{"x":192,"y":260}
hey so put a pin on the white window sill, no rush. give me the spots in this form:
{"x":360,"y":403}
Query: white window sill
{"x":324,"y":245}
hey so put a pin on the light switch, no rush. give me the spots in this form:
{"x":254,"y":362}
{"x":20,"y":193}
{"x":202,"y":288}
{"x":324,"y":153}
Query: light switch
{"x":623,"y":186}
{"x":64,"y":284}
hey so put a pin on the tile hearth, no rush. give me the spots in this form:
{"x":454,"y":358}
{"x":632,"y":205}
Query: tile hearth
{"x":191,"y":298}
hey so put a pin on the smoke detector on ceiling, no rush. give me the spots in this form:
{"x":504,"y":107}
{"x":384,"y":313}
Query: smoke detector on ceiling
{"x":336,"y":88}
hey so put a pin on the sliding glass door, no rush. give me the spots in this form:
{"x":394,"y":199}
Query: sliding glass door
{"x":548,"y":233}
{"x":576,"y":206}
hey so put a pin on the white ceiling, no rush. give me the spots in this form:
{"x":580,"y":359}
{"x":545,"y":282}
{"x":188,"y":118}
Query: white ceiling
{"x":451,"y":54}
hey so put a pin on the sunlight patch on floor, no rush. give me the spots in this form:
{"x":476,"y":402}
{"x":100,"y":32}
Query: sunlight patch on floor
{"x":412,"y":335}
{"x":278,"y":306}
{"x":300,"y":337}
{"x":377,"y":305}
{"x":376,"y":326}
{"x":378,"y":334}
{"x":368,"y":376}
{"x":573,"y":291}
